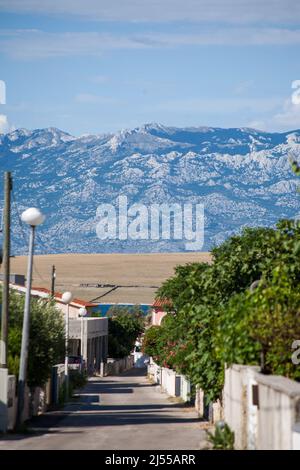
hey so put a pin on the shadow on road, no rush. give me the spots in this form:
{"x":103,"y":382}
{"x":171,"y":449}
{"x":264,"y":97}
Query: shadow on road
{"x":87,"y":410}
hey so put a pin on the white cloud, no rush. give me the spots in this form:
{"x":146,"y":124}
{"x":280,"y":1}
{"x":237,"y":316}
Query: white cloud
{"x":2,"y":92}
{"x":296,"y":94}
{"x":38,"y":44}
{"x":222,"y":106}
{"x":285,"y":117}
{"x":89,"y":98}
{"x":229,"y":11}
{"x":288,"y":118}
{"x":100,"y":79}
{"x":4,"y":126}
{"x":244,"y":86}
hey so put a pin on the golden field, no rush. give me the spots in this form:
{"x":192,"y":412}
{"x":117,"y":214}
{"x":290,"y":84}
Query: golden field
{"x":137,"y":275}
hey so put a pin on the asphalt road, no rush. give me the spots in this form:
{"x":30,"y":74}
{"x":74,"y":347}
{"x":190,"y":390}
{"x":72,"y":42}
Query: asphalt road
{"x":115,"y":413}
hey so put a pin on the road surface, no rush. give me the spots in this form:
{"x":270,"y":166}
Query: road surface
{"x":115,"y":413}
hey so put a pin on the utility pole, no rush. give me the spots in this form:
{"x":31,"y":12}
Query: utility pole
{"x":53,"y":277}
{"x":6,"y":269}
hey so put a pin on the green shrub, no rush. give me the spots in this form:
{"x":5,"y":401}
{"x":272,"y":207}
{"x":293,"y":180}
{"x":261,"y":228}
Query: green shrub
{"x":46,"y":338}
{"x":77,"y":379}
{"x":223,"y":437}
{"x":124,"y":327}
{"x":215,"y":320}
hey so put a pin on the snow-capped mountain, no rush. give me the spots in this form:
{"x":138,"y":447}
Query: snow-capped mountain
{"x":241,"y":175}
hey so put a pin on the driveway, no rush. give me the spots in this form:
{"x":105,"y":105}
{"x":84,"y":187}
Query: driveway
{"x":115,"y":413}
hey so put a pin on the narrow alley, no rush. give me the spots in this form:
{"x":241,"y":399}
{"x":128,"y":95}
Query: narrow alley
{"x":115,"y":413}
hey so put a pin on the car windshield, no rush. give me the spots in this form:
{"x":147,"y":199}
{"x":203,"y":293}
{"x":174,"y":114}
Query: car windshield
{"x":74,"y":360}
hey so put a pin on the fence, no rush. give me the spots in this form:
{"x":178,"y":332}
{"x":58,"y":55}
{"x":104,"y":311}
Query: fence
{"x":56,"y":383}
{"x":262,"y":410}
{"x":212,"y":412}
{"x":7,"y":400}
{"x":173,"y":384}
{"x":36,"y":400}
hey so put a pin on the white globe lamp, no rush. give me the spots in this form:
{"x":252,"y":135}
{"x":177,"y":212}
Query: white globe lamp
{"x":33,"y":217}
{"x":67,"y":297}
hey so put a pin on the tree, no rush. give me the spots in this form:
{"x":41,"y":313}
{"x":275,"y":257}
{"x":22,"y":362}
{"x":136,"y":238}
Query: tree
{"x":46,"y":340}
{"x":215,"y":319}
{"x":120,"y":310}
{"x":124,"y":327}
{"x":151,"y":342}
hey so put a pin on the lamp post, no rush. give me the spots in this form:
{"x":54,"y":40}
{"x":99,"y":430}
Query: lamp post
{"x":33,"y":217}
{"x":82,"y":313}
{"x":67,"y":299}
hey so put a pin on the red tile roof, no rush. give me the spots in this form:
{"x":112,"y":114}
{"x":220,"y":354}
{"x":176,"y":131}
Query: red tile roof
{"x":58,"y":296}
{"x":161,"y":303}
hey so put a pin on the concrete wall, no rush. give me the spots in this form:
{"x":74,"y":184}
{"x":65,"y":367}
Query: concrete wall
{"x":89,"y":337}
{"x":157,"y":316}
{"x":3,"y":399}
{"x":185,"y":388}
{"x":117,"y":366}
{"x":36,"y":401}
{"x":173,"y":384}
{"x":278,"y":412}
{"x":8,"y":401}
{"x":212,"y":412}
{"x":262,"y":410}
{"x":12,"y":402}
{"x":56,"y":383}
{"x":239,"y":412}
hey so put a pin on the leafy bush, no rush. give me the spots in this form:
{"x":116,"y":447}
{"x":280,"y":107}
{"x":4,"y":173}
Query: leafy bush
{"x":134,"y":311}
{"x":77,"y":379}
{"x":46,"y":338}
{"x":151,"y":345}
{"x":123,"y":331}
{"x":216,"y":318}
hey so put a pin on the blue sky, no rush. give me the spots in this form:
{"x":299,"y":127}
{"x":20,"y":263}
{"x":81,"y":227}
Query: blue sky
{"x":97,"y":66}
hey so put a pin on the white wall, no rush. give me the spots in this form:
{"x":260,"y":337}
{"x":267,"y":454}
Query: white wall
{"x":270,"y":425}
{"x":173,"y":384}
{"x":3,"y":399}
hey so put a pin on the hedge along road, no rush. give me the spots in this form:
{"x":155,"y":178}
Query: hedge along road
{"x":115,"y":413}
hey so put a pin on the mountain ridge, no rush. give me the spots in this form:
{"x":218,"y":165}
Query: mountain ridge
{"x":241,"y":175}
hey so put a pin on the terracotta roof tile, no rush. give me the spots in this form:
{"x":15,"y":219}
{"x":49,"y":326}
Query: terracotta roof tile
{"x":161,"y":303}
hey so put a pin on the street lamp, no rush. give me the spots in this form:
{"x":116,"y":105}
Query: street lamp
{"x":67,"y":299}
{"x":82,"y":312}
{"x":33,"y":217}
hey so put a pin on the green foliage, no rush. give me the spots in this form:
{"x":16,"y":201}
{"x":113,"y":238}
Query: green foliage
{"x":62,"y":394}
{"x":151,"y":345}
{"x":118,"y":310}
{"x":96,"y":314}
{"x":124,"y":327}
{"x":77,"y":379}
{"x":215,"y":318}
{"x":295,"y":166}
{"x":223,"y":438}
{"x":46,"y":340}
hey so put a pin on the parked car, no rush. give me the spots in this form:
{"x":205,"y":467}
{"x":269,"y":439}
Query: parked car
{"x":77,"y":362}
